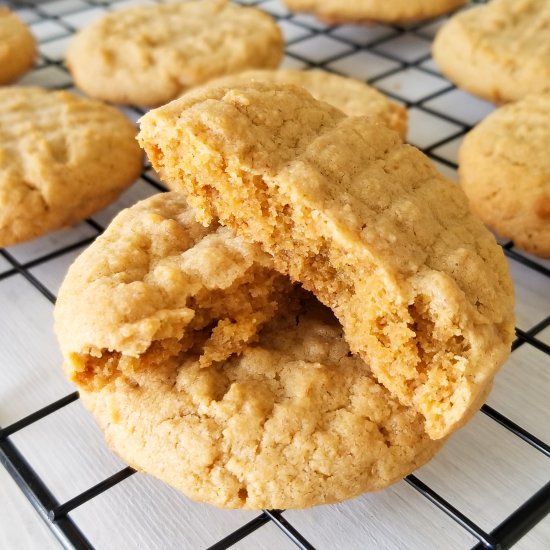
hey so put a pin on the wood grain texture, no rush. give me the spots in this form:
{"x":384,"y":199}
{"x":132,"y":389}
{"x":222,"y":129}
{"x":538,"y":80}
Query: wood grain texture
{"x":67,"y":450}
{"x":484,"y":471}
{"x":522,"y":391}
{"x":142,"y":512}
{"x":20,"y":525}
{"x":30,"y":375}
{"x":532,"y":295}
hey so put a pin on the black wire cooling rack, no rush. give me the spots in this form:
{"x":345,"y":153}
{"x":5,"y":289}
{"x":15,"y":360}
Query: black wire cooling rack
{"x":377,"y":55}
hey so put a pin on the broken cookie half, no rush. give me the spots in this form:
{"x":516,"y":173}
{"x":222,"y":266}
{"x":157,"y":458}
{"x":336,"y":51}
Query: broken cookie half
{"x":363,"y":221}
{"x":157,"y":284}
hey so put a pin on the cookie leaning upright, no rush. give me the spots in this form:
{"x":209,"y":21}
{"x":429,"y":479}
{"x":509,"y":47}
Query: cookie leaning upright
{"x":504,"y":168}
{"x":353,"y":97}
{"x":499,"y":51}
{"x":17,"y":47}
{"x":396,"y":11}
{"x":148,"y":55}
{"x":62,"y":158}
{"x":365,"y":222}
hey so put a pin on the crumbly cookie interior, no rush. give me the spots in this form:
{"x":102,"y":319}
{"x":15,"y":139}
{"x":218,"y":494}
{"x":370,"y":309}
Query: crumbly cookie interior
{"x":222,"y":323}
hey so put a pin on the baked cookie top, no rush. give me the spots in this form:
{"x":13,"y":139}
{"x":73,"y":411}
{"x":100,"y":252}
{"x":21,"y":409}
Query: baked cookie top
{"x":505,"y":171}
{"x":148,"y":55}
{"x":363,"y":221}
{"x":156,"y":284}
{"x":62,"y":157}
{"x":288,"y":421}
{"x":499,"y":51}
{"x":17,"y":47}
{"x":353,"y":97}
{"x":396,"y":11}
{"x":293,"y":421}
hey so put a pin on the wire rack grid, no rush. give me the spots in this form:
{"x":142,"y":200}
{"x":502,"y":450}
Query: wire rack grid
{"x":490,"y":486}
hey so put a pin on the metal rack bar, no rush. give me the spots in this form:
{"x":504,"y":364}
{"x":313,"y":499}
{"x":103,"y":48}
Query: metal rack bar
{"x":56,"y":515}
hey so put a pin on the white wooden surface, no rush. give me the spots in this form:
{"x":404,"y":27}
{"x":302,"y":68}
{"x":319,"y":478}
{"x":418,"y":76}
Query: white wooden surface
{"x":20,"y":526}
{"x":484,"y":471}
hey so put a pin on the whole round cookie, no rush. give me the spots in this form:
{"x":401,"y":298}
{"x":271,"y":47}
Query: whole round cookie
{"x":17,"y":47}
{"x":62,"y":158}
{"x":353,"y":97}
{"x":157,"y":284}
{"x":396,"y":11}
{"x":363,"y":221}
{"x":499,"y":51}
{"x":148,"y":55}
{"x":504,"y":169}
{"x":289,"y":421}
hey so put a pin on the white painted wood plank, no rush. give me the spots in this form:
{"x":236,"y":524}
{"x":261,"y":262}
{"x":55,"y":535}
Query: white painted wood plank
{"x":20,"y":525}
{"x":30,"y":369}
{"x":142,"y":512}
{"x":486,"y":472}
{"x":536,"y":539}
{"x":67,"y":450}
{"x":31,"y":250}
{"x":395,"y":519}
{"x":521,"y":391}
{"x":532,"y":295}
{"x":52,"y":272}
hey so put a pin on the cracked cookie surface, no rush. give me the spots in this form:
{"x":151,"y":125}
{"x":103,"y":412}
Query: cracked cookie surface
{"x":148,"y":55}
{"x":157,"y":284}
{"x":396,"y":11}
{"x":293,"y":421}
{"x":17,"y":47}
{"x":62,"y":158}
{"x":504,"y":168}
{"x":275,"y":413}
{"x":499,"y":51}
{"x":353,"y":97}
{"x":363,"y":221}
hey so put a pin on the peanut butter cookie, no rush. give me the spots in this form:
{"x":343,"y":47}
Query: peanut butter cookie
{"x":353,"y":97}
{"x":499,"y":51}
{"x":396,"y":11}
{"x":17,"y":47}
{"x":505,"y":172}
{"x":158,"y":284}
{"x":148,"y":55}
{"x":160,"y":311}
{"x":62,"y":158}
{"x":363,"y":221}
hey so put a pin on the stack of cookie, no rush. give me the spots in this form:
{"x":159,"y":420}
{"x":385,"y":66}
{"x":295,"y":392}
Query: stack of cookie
{"x":501,"y":52}
{"x":306,"y":316}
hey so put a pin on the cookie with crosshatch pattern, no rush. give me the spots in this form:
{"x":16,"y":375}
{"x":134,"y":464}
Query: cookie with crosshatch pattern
{"x":499,"y":51}
{"x":363,"y":221}
{"x":62,"y":158}
{"x":386,"y":11}
{"x":17,"y":47}
{"x":286,"y":419}
{"x":504,"y":168}
{"x":353,"y":97}
{"x":148,"y":55}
